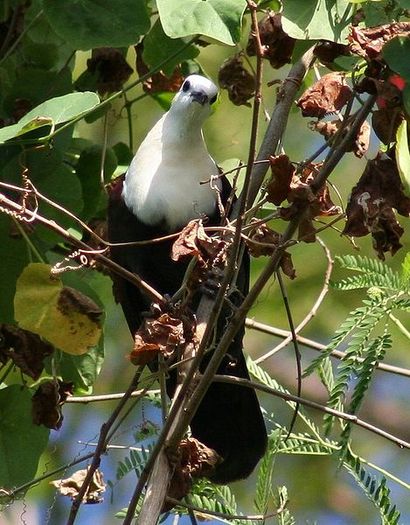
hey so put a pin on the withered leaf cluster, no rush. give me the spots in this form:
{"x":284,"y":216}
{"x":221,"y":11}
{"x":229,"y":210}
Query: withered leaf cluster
{"x":359,"y":144}
{"x":296,"y":188}
{"x":195,"y":460}
{"x":264,"y":241}
{"x":277,"y":46}
{"x":71,"y":486}
{"x":164,"y":334}
{"x":25,"y":349}
{"x":158,"y":82}
{"x":236,"y":79}
{"x":110,"y":67}
{"x":372,"y":203}
{"x":47,"y":402}
{"x":328,"y":95}
{"x":368,"y":42}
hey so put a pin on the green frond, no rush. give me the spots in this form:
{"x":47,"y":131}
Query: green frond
{"x":264,"y":493}
{"x":326,"y":374}
{"x":281,"y":499}
{"x":374,"y":489}
{"x":303,"y":443}
{"x":213,"y":498}
{"x":263,"y":377}
{"x":374,"y":272}
{"x":374,"y":354}
{"x":360,"y":321}
{"x":134,"y":462}
{"x":349,"y":367}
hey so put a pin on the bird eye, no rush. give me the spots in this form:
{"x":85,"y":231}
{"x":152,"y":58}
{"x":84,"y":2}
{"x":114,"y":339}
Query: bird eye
{"x":186,"y":85}
{"x":213,"y":99}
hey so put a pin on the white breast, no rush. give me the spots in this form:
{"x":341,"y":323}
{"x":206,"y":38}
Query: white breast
{"x":163,"y":182}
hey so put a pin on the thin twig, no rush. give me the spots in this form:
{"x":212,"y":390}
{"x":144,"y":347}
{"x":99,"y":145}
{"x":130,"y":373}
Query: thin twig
{"x":9,"y":206}
{"x":100,"y":449}
{"x":312,"y":312}
{"x":278,"y":332}
{"x":312,"y":404}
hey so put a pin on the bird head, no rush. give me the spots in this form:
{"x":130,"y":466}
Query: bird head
{"x":195,"y":98}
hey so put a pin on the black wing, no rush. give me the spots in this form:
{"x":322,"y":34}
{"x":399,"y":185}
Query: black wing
{"x":229,"y":418}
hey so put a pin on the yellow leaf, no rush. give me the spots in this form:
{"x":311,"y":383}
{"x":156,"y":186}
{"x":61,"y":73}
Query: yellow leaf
{"x":65,"y":317}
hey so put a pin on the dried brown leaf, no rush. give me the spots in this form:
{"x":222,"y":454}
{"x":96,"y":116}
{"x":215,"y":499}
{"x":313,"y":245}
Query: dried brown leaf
{"x":368,"y":42}
{"x":278,"y":187}
{"x":327,"y":95}
{"x":47,"y":402}
{"x":71,"y":486}
{"x":386,"y":122}
{"x":372,"y":203}
{"x":359,"y":145}
{"x":111,"y":67}
{"x":195,"y":460}
{"x":26,"y":349}
{"x":237,"y":80}
{"x":164,"y":334}
{"x":158,"y":82}
{"x":277,"y":46}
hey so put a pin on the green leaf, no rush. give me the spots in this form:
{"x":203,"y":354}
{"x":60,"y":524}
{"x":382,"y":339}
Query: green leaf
{"x":87,"y":24}
{"x":14,"y":257}
{"x":403,"y":157}
{"x":65,"y":317}
{"x":396,"y":54}
{"x":317,"y":19}
{"x":88,"y":171}
{"x":52,"y":112}
{"x":21,"y":442}
{"x":406,"y":269}
{"x":158,"y":46}
{"x":217,"y":19}
{"x":82,"y":370}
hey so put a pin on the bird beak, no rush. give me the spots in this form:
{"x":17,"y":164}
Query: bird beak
{"x":199,"y":96}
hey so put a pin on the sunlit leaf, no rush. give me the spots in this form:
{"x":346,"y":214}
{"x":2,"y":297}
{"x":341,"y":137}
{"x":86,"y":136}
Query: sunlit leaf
{"x":217,"y":19}
{"x":317,"y":19}
{"x":403,"y":157}
{"x":65,"y":317}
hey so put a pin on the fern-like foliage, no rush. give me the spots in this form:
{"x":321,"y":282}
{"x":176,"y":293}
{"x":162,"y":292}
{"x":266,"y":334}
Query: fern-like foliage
{"x":375,"y":353}
{"x":264,"y":491}
{"x":213,"y":498}
{"x":370,"y":272}
{"x":374,"y":489}
{"x":134,"y":462}
{"x":281,"y":500}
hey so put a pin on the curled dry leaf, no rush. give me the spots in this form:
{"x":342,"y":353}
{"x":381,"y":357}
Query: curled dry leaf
{"x":164,"y":334}
{"x":327,"y":95}
{"x":277,"y":46}
{"x":264,"y":241}
{"x":327,"y":51}
{"x":237,"y":80}
{"x":372,"y":203}
{"x":111,"y":69}
{"x":318,"y":204}
{"x":359,"y":145}
{"x":278,"y":186}
{"x":158,"y":82}
{"x":195,"y":460}
{"x":194,"y":242}
{"x":368,"y":42}
{"x":47,"y":402}
{"x":71,"y":486}
{"x":26,"y":349}
{"x":386,"y":122}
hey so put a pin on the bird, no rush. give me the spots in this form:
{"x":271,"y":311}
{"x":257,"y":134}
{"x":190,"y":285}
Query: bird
{"x":162,"y":191}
